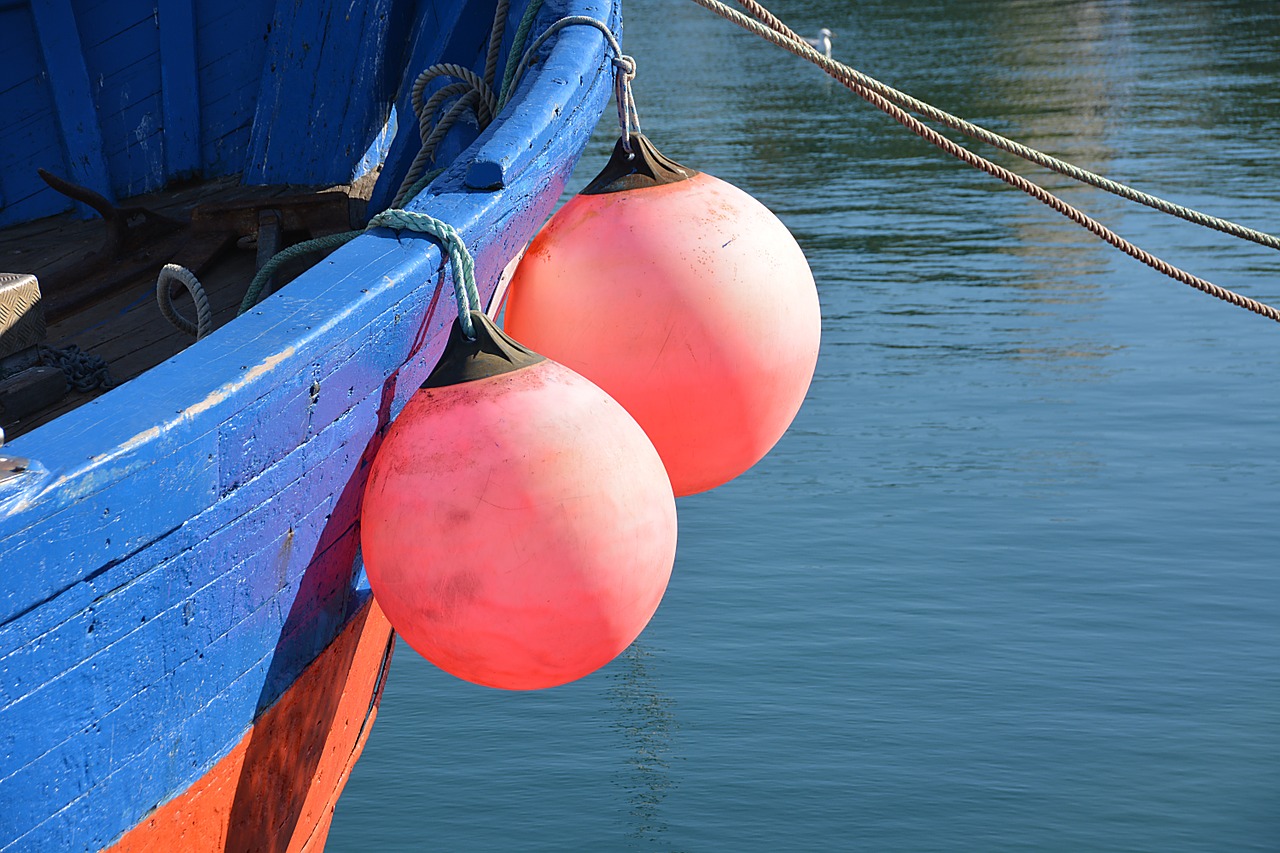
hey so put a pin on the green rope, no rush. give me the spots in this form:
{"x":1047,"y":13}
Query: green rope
{"x":460,"y":260}
{"x":517,"y":51}
{"x":319,"y":244}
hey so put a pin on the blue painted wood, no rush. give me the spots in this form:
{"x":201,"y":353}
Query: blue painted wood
{"x":231,"y":42}
{"x":188,"y":542}
{"x":69,"y":81}
{"x":30,"y":136}
{"x":179,"y":83}
{"x":497,"y":161}
{"x":332,"y":66}
{"x":122,"y":55}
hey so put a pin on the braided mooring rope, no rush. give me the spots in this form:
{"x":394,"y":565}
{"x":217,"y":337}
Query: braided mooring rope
{"x":769,"y":27}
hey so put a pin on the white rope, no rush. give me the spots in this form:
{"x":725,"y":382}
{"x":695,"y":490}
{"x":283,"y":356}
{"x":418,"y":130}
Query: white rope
{"x":174,"y":274}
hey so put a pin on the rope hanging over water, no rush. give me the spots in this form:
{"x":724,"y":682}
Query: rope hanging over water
{"x":892,"y":102}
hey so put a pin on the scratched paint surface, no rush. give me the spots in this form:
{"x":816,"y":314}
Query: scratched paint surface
{"x":186,"y":545}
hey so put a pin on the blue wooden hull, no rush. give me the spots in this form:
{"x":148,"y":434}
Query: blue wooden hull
{"x":185,"y":546}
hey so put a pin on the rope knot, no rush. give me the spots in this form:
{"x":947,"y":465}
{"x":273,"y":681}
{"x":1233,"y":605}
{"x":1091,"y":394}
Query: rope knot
{"x":626,"y":66}
{"x":628,"y":118}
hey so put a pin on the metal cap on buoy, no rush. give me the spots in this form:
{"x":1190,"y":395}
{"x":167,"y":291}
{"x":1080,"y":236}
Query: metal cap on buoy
{"x":686,"y":300}
{"x":635,"y":164}
{"x":518,"y":527}
{"x":489,"y":353}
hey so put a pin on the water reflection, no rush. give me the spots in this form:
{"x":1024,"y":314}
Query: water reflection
{"x":1022,"y":532}
{"x":644,"y":717}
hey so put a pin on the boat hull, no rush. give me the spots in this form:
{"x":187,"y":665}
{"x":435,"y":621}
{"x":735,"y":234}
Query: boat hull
{"x":277,"y":788}
{"x":182,"y":554}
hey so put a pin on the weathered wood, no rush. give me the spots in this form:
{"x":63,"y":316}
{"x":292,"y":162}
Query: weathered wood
{"x":179,"y":86}
{"x":185,"y":545}
{"x":30,"y":136}
{"x":333,"y":68}
{"x":69,"y":81}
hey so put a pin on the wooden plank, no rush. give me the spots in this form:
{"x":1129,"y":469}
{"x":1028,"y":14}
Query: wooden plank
{"x":115,"y":36}
{"x":124,"y":65}
{"x":179,"y":75}
{"x":230,"y":45}
{"x":69,"y":81}
{"x":136,"y":157}
{"x":330,"y":68}
{"x":30,"y":136}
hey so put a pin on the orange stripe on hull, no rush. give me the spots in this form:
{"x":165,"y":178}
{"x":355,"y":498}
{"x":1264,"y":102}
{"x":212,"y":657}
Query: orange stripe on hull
{"x":277,"y":788}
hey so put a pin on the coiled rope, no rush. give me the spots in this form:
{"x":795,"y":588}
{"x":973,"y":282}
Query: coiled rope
{"x":891,"y":101}
{"x":474,"y":92}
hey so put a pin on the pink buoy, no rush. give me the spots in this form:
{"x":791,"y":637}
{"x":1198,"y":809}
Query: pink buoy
{"x":686,"y":300}
{"x":518,"y":527}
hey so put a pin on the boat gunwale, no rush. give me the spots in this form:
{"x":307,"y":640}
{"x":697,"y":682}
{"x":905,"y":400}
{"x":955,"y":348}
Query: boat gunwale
{"x":148,"y":487}
{"x":124,"y":431}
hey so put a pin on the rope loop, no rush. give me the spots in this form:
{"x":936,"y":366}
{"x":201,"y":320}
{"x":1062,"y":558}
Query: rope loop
{"x":460,"y":260}
{"x":626,"y":66}
{"x":170,"y":275}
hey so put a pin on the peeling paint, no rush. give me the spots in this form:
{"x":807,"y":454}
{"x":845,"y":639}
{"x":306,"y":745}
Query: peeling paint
{"x":230,"y":388}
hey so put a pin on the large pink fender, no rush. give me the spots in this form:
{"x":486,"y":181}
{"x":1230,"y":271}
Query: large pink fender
{"x":686,"y":300}
{"x":518,"y":530}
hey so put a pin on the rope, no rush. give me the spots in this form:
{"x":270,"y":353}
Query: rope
{"x":842,"y":72}
{"x":460,"y":260}
{"x":171,"y":274}
{"x":84,"y":372}
{"x":319,"y":244}
{"x":787,"y":39}
{"x":474,"y":93}
{"x":517,"y":49}
{"x":624,"y":71}
{"x":495,"y":41}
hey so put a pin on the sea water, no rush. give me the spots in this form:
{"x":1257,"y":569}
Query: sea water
{"x":1011,"y":581}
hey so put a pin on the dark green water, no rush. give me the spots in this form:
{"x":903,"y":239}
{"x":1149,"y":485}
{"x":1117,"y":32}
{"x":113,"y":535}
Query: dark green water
{"x":1012,"y":581}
